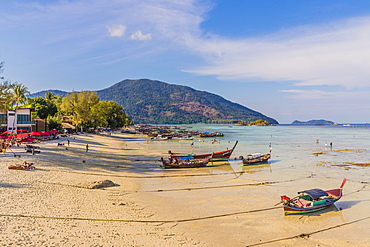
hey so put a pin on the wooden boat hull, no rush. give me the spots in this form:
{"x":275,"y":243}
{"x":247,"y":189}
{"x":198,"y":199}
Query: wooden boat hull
{"x":217,"y":156}
{"x":186,"y":164}
{"x":319,"y":200}
{"x":297,"y":210}
{"x":261,"y":160}
{"x":183,"y":165}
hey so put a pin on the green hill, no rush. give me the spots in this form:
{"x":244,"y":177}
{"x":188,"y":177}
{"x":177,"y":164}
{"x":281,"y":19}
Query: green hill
{"x":148,"y":101}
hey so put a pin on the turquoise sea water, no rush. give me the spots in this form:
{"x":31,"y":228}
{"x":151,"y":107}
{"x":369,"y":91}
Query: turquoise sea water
{"x":293,"y":147}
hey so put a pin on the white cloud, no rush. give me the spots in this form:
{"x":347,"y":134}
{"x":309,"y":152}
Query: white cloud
{"x":117,"y":30}
{"x":335,"y":54}
{"x":138,"y":35}
{"x":308,"y":94}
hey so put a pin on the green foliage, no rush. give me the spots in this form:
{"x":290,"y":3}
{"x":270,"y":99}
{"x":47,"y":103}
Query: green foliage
{"x":88,"y":111}
{"x":259,"y":122}
{"x":55,"y":122}
{"x":6,"y":95}
{"x":43,"y":108}
{"x":109,"y":113}
{"x":20,"y":94}
{"x":78,"y":106}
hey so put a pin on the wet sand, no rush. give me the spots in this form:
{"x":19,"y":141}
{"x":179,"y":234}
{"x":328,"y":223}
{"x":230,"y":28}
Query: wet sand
{"x":224,"y":204}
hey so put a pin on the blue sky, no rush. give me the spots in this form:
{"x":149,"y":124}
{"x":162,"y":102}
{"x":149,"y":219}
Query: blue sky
{"x":290,"y":60}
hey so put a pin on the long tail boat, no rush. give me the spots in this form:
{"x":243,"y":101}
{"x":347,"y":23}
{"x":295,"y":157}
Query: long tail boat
{"x":312,"y":200}
{"x":185,"y":162}
{"x":258,"y":158}
{"x":216,"y":156}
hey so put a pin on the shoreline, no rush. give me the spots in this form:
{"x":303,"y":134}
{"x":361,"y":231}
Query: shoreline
{"x":211,"y":206}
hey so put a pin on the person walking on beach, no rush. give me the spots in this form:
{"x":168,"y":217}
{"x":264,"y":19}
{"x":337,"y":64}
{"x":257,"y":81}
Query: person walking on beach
{"x":68,"y":142}
{"x":87,"y":147}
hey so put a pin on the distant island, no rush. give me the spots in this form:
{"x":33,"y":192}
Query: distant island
{"x":313,"y":122}
{"x":259,"y":122}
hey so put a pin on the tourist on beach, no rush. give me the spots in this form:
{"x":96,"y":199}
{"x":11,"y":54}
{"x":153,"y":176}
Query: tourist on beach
{"x":68,"y":142}
{"x":26,"y":165}
{"x":87,"y":147}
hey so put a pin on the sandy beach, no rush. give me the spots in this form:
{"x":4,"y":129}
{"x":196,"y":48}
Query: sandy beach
{"x":220,"y":205}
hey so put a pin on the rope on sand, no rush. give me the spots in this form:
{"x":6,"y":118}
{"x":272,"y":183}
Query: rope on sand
{"x":152,"y":176}
{"x":189,"y":189}
{"x":307,"y":235}
{"x":229,"y":186}
{"x":137,"y":221}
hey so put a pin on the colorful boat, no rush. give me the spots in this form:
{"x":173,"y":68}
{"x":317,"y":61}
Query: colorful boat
{"x":185,"y":162}
{"x":216,"y":156}
{"x":312,"y":200}
{"x":257,"y":158}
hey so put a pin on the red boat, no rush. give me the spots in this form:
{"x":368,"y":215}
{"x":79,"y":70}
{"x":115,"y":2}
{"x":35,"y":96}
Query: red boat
{"x":312,"y":200}
{"x":185,"y":162}
{"x":217,"y":156}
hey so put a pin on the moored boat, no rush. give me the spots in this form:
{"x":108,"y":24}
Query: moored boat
{"x":183,"y":138}
{"x":312,"y":200}
{"x":208,"y":134}
{"x":216,"y":156}
{"x":257,"y":158}
{"x":185,"y":162}
{"x":160,"y":138}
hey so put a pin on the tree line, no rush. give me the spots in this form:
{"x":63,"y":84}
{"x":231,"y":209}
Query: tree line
{"x":84,"y":109}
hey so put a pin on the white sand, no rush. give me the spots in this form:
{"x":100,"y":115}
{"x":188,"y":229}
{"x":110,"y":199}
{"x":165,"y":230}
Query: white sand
{"x":49,"y":206}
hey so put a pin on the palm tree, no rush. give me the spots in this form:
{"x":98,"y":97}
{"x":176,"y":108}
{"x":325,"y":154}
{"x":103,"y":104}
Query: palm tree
{"x":50,"y":97}
{"x":6,"y":96}
{"x":6,"y":99}
{"x":20,"y":93}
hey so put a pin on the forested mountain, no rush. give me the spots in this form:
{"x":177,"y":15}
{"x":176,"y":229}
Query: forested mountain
{"x":42,"y":93}
{"x":148,"y":101}
{"x":155,"y":102}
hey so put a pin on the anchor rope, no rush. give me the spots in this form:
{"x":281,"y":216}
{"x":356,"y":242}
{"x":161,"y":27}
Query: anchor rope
{"x":138,"y":221}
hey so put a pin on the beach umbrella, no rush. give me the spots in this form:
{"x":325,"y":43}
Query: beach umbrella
{"x":45,"y":133}
{"x":28,"y":139}
{"x":7,"y":137}
{"x":7,"y":132}
{"x":53,"y":131}
{"x":36,"y":133}
{"x":22,"y":135}
{"x":22,"y":130}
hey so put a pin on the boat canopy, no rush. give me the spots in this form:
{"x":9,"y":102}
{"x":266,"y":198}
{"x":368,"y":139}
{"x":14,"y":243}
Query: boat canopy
{"x":186,"y":157}
{"x":315,"y":193}
{"x":255,"y":155}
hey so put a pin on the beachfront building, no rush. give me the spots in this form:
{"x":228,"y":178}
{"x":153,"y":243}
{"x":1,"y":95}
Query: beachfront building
{"x":16,"y":119}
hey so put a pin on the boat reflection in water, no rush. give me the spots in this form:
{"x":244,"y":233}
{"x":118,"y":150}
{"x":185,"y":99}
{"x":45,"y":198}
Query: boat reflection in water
{"x":256,"y":168}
